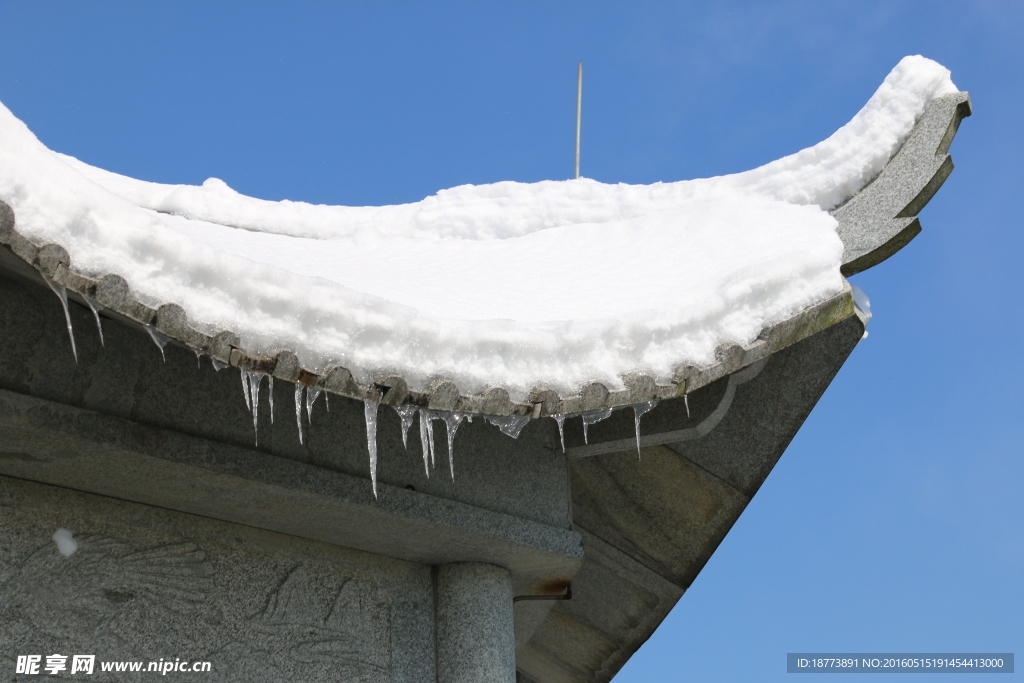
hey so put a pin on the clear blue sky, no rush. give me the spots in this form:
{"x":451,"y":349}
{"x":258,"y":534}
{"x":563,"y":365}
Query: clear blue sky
{"x":895,"y":521}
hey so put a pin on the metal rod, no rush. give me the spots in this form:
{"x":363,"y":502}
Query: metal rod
{"x":579,"y":112}
{"x":567,"y":595}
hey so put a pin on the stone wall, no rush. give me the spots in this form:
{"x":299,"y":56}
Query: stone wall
{"x":146,"y":584}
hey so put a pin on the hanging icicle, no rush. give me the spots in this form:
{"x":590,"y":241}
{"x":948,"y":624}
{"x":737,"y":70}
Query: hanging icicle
{"x":245,"y":388}
{"x":270,"y":395}
{"x":686,"y":402}
{"x":431,"y":416}
{"x":560,"y":419}
{"x":255,"y":379}
{"x":452,"y":422}
{"x":370,"y":413}
{"x":592,"y":417}
{"x":62,"y":294}
{"x":424,"y":428}
{"x":639,"y":409}
{"x":95,"y":307}
{"x":159,"y":339}
{"x":298,"y":411}
{"x":406,"y":414}
{"x":311,"y":395}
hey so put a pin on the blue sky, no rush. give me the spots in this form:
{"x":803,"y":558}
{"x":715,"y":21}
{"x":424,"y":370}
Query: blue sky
{"x":895,"y":521}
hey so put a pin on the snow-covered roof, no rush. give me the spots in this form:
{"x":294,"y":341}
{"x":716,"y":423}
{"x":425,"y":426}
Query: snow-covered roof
{"x":531,"y":299}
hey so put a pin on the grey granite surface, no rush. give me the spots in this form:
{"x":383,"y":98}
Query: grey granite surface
{"x":146,"y":583}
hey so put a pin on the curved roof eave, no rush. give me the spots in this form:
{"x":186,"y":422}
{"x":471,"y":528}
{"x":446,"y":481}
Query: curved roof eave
{"x":874,"y":224}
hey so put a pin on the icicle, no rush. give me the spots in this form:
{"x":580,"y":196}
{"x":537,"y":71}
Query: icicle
{"x":218,"y":365}
{"x":199,"y":357}
{"x":423,"y":440}
{"x":245,"y":388}
{"x":62,"y":294}
{"x":327,"y":400}
{"x":452,"y":422}
{"x":298,"y":410}
{"x":592,"y":416}
{"x":311,"y":396}
{"x":638,"y":411}
{"x":95,"y":307}
{"x":560,"y":419}
{"x":686,"y":402}
{"x":406,"y":414}
{"x":431,"y":416}
{"x":510,"y":425}
{"x":370,"y":413}
{"x":159,"y":339}
{"x":255,"y":379}
{"x":270,"y":395}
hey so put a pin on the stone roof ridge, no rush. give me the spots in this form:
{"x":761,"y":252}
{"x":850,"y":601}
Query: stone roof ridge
{"x":875,"y":223}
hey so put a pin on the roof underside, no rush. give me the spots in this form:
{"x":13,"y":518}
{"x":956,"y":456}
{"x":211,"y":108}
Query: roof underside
{"x":649,"y":526}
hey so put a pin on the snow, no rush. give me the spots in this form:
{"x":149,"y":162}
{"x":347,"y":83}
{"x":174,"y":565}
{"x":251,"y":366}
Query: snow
{"x":66,"y":544}
{"x":517,"y":285}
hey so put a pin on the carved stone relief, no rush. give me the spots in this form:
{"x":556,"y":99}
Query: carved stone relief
{"x":144,"y":595}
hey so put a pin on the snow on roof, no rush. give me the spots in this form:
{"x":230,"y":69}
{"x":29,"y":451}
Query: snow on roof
{"x":554,"y":284}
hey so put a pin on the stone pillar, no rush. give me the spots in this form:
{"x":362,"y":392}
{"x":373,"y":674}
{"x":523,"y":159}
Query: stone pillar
{"x":475,"y":635}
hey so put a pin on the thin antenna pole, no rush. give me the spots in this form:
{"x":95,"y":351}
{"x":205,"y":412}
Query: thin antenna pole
{"x":579,"y":112}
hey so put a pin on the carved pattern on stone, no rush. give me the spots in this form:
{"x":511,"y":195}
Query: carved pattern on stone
{"x":313,"y":624}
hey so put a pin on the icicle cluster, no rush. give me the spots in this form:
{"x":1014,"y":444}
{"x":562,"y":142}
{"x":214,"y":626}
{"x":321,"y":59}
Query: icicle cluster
{"x":594,"y":416}
{"x":451,"y":420}
{"x":251,"y":391}
{"x":510,"y":425}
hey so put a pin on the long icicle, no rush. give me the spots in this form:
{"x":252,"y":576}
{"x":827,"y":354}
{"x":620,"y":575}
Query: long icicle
{"x":95,"y":307}
{"x":370,"y":413}
{"x":245,"y":388}
{"x":638,"y":411}
{"x":298,"y":411}
{"x":270,"y":395}
{"x":452,"y":422}
{"x":686,"y":402}
{"x":255,"y":379}
{"x":62,"y":294}
{"x":431,"y":416}
{"x":423,"y":440}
